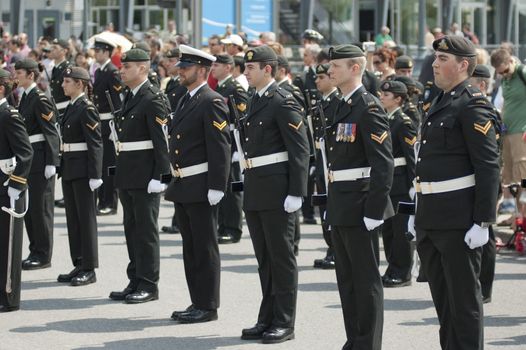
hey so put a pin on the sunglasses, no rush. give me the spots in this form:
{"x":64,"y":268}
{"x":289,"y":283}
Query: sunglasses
{"x":376,"y":63}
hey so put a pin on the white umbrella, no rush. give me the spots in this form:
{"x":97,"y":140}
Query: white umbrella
{"x":114,"y":38}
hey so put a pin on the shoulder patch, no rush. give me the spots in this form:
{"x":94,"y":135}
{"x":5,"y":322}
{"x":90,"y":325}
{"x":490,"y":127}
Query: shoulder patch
{"x":296,"y":127}
{"x":218,"y":125}
{"x":473,"y":91}
{"x":482,"y":128}
{"x":380,"y":139}
{"x":47,"y":117}
{"x":410,"y":141}
{"x":161,"y":121}
{"x":92,"y":126}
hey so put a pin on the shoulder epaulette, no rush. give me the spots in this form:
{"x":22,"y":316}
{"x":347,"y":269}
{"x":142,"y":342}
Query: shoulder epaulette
{"x":473,"y":91}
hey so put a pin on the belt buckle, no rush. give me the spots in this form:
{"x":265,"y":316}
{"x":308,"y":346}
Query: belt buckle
{"x":117,"y":147}
{"x":179,"y":173}
{"x":418,"y":188}
{"x":248,"y":162}
{"x":331,"y":176}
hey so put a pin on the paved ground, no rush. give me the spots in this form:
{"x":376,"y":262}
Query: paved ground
{"x":57,"y":316}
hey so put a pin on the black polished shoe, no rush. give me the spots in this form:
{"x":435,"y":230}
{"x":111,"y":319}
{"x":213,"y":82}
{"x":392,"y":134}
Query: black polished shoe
{"x":141,"y":296}
{"x":198,"y":316}
{"x":34,"y":264}
{"x":66,"y":277}
{"x":326,"y":263}
{"x":254,"y":333}
{"x":277,"y":335}
{"x":121,"y":295}
{"x":227,"y":239}
{"x":170,"y":229}
{"x":394,"y":282}
{"x":84,"y":278}
{"x":486,"y":300}
{"x":309,"y":221}
{"x":59,"y":203}
{"x":106,"y":211}
{"x":421,"y":278}
{"x":176,"y":314}
{"x":9,"y":308}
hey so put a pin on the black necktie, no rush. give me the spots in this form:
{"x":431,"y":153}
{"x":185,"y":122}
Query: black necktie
{"x":185,"y":99}
{"x":22,"y":100}
{"x":97,"y":71}
{"x":255,"y":99}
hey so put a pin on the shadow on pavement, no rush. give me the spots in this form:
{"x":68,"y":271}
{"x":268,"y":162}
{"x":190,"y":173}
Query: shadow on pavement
{"x":31,"y":285}
{"x":511,"y":341}
{"x":318,"y":287}
{"x":62,"y":303}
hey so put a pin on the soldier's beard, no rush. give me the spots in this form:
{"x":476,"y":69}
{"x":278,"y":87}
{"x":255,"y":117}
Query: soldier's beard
{"x":189,"y":79}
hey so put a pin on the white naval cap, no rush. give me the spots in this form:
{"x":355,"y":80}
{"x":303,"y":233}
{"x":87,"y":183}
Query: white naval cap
{"x":189,"y":56}
{"x":233,"y":39}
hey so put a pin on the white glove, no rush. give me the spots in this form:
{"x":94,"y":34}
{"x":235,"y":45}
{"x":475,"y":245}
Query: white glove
{"x":292,"y":203}
{"x":94,"y":184}
{"x":371,"y":224}
{"x":13,"y":193}
{"x":235,"y":157}
{"x":411,"y":226}
{"x":412,"y":193}
{"x":476,"y":236}
{"x":312,"y":169}
{"x":50,"y":171}
{"x":215,"y":196}
{"x":155,"y":186}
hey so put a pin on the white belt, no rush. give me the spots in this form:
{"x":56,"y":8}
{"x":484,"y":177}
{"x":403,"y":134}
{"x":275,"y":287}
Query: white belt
{"x":7,"y":166}
{"x":134,"y":146}
{"x":106,"y":116}
{"x":459,"y":183}
{"x":62,"y":105}
{"x":190,"y":170}
{"x":401,"y":161}
{"x":349,"y":174}
{"x":74,"y":147}
{"x":267,"y":160}
{"x":37,"y":138}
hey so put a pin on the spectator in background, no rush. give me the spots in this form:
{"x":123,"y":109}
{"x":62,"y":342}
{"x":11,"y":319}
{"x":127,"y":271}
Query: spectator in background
{"x":239,"y":69}
{"x":383,"y":62}
{"x":81,"y":60}
{"x":14,"y":51}
{"x":437,"y":32}
{"x":267,"y":38}
{"x":155,"y":55}
{"x":24,"y":48}
{"x":454,"y":30}
{"x":383,"y":36}
{"x":233,"y":45}
{"x":215,"y":47}
{"x":466,"y":30}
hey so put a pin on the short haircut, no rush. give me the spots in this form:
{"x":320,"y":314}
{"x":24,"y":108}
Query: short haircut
{"x":472,"y":63}
{"x":272,"y":64}
{"x":499,"y":57}
{"x":360,"y":61}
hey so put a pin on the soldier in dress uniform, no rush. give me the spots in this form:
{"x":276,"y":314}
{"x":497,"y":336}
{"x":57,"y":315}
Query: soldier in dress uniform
{"x":230,"y":215}
{"x":397,"y":247}
{"x":15,"y":162}
{"x":404,"y":66}
{"x":457,"y":179}
{"x":200,"y":162}
{"x":153,"y":77}
{"x":106,"y":79}
{"x":81,"y":171}
{"x":360,"y":177}
{"x":412,"y":102}
{"x":39,"y":117}
{"x":276,"y":155}
{"x":330,"y":98}
{"x":141,"y":168}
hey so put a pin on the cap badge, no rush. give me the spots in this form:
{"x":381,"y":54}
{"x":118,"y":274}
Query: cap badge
{"x":443,"y":45}
{"x":250,"y":54}
{"x":386,"y":86}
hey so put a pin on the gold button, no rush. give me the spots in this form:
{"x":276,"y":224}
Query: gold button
{"x":418,"y":178}
{"x":419,"y":159}
{"x":176,"y":151}
{"x":177,"y":165}
{"x":260,"y":123}
{"x":424,"y":142}
{"x":120,"y":129}
{"x":248,"y":123}
{"x":246,"y":139}
{"x":428,"y":123}
{"x":330,"y":149}
{"x":178,"y":136}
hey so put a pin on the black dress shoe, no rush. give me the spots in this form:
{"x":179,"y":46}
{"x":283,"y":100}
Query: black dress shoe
{"x":66,"y":278}
{"x":198,"y":316}
{"x":227,"y":239}
{"x":34,"y":264}
{"x":170,"y":229}
{"x":59,"y":203}
{"x":421,"y":278}
{"x":9,"y":308}
{"x":84,"y":278}
{"x":310,"y":221}
{"x":121,"y":295}
{"x":255,"y":332}
{"x":326,"y":263}
{"x":486,"y":300}
{"x":176,"y":314}
{"x":106,"y":211}
{"x":141,"y":296}
{"x":394,"y":282}
{"x":277,"y":335}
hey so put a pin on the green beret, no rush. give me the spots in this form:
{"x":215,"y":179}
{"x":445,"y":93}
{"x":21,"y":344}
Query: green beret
{"x":142,"y":45}
{"x":173,"y":53}
{"x":61,"y":42}
{"x":4,"y":73}
{"x":261,"y":53}
{"x":407,"y":81}
{"x":481,"y":71}
{"x":395,"y":87}
{"x":455,"y":45}
{"x":26,"y":63}
{"x":345,"y":51}
{"x":283,"y":61}
{"x":404,"y":62}
{"x":135,"y":55}
{"x":224,"y":59}
{"x":322,"y":68}
{"x":77,"y":73}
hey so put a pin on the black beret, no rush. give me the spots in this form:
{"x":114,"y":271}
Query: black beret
{"x":261,"y":53}
{"x":407,"y":81}
{"x":404,"y":62}
{"x":456,"y":45}
{"x":135,"y":55}
{"x":103,"y":44}
{"x":4,"y":73}
{"x":395,"y":87}
{"x":142,"y":45}
{"x":26,"y":63}
{"x":345,"y":51}
{"x":61,"y":42}
{"x":224,"y":59}
{"x":77,"y":73}
{"x":173,"y":53}
{"x":189,"y":56}
{"x":283,"y":61}
{"x":322,"y":68}
{"x":311,"y":34}
{"x":481,"y":71}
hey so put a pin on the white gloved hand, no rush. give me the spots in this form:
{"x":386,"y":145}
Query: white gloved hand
{"x":13,"y":193}
{"x":292,"y":203}
{"x":312,"y":169}
{"x":94,"y":184}
{"x":476,"y":236}
{"x":371,"y":224}
{"x":215,"y":196}
{"x":412,"y":193}
{"x":235,"y":157}
{"x":49,"y":171}
{"x":155,"y":186}
{"x":411,"y":226}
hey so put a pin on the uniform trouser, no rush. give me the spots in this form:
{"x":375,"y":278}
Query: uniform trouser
{"x":452,"y":269}
{"x":307,"y":209}
{"x":107,"y":193}
{"x":141,"y":212}
{"x":360,"y":285}
{"x":397,"y":248}
{"x":202,"y":263}
{"x":81,"y":220}
{"x":273,"y":242}
{"x":39,"y":217}
{"x":295,"y":228}
{"x":320,"y":188}
{"x":487,"y":267}
{"x":12,"y":299}
{"x":230,"y":215}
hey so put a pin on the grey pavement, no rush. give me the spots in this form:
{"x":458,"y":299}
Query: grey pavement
{"x":57,"y":316}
